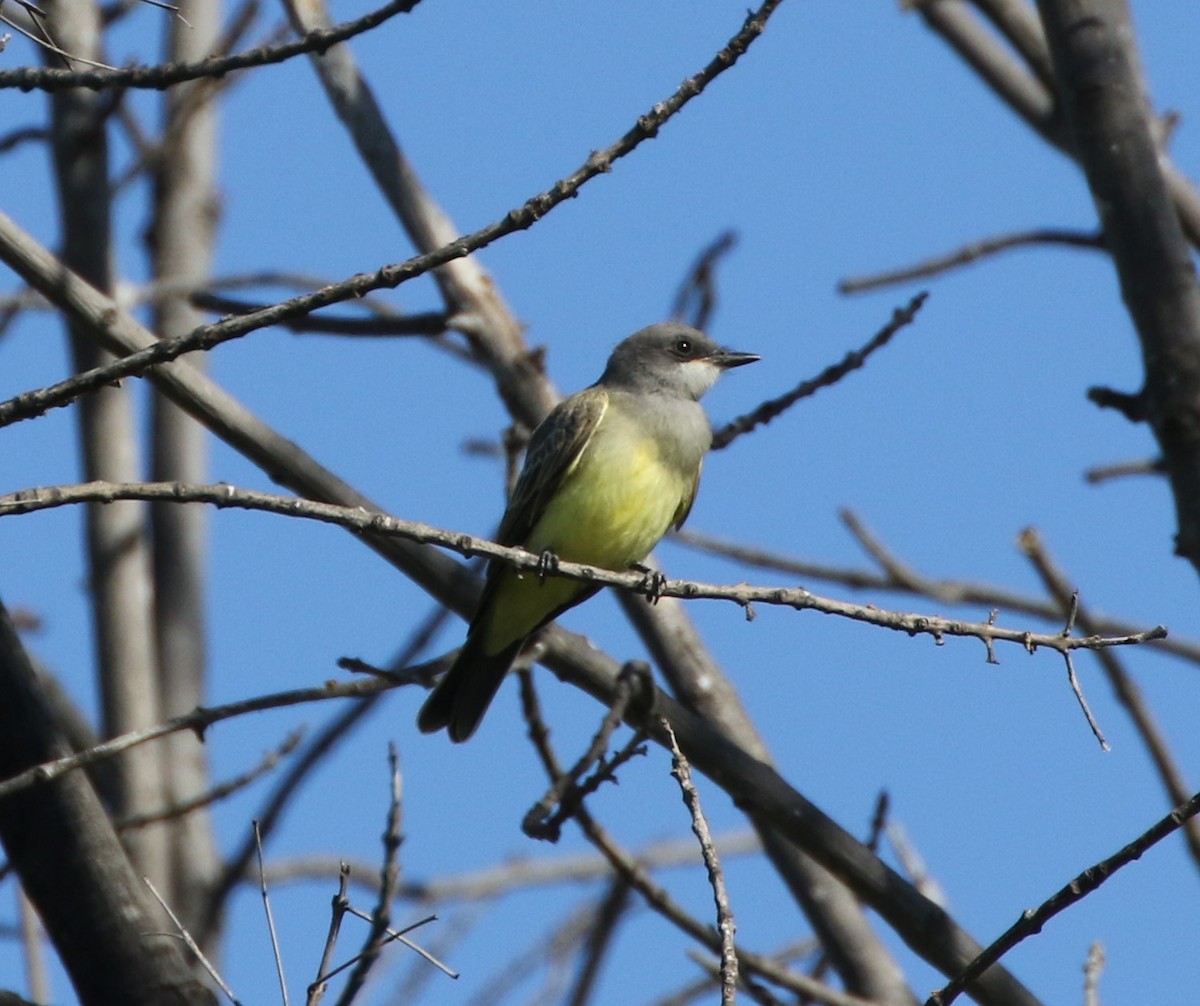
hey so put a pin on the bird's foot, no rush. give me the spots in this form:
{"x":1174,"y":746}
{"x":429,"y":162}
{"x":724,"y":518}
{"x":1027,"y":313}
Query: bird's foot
{"x":654,"y":582}
{"x":547,"y":564}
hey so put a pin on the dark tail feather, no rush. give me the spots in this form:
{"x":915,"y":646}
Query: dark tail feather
{"x":461,"y":698}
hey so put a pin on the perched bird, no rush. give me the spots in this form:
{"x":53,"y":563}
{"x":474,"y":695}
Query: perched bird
{"x":607,"y":472}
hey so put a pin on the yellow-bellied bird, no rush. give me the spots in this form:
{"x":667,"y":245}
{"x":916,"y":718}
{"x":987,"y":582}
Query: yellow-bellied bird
{"x":607,"y":472}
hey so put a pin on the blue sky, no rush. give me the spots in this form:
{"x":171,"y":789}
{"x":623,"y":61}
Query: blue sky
{"x":849,"y":139}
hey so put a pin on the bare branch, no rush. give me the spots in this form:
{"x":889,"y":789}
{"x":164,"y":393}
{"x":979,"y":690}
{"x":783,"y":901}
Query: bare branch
{"x":45,"y":273}
{"x":226,"y":789}
{"x":425,"y":323}
{"x":1124,"y":687}
{"x":381,"y":918}
{"x":316,"y":990}
{"x":657,"y":897}
{"x":266,"y":900}
{"x":901,"y":317}
{"x":192,"y":945}
{"x":969,"y":253}
{"x":565,"y":797}
{"x":1032,"y":920}
{"x":518,"y":875}
{"x":1018,"y":22}
{"x":900,"y":577}
{"x":716,"y":875}
{"x":1123,"y":469}
{"x":198,"y":720}
{"x":392,"y":935}
{"x":1024,"y":87}
{"x":1092,"y":969}
{"x":164,"y":76}
{"x":696,"y":299}
{"x":1103,"y":96}
{"x":22,"y":134}
{"x":40,"y":35}
{"x":376,"y":522}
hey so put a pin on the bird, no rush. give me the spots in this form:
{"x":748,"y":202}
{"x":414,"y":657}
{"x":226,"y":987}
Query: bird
{"x":606,"y":474}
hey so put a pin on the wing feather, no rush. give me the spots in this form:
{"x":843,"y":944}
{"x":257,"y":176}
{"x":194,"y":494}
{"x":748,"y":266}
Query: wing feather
{"x":554,"y":449}
{"x":685,"y":504}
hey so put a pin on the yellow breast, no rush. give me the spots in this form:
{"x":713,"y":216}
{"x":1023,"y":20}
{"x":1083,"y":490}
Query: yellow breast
{"x":615,"y":505}
{"x":610,"y":511}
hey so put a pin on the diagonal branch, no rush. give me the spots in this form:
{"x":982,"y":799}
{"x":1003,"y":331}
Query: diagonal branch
{"x":164,"y":76}
{"x":141,"y":351}
{"x":1022,"y":87}
{"x":1032,"y":920}
{"x":754,"y":786}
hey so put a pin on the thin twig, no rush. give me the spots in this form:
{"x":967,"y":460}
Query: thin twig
{"x":716,"y":875}
{"x":1032,"y":920}
{"x":392,"y":934}
{"x":1073,"y":681}
{"x":567,"y":793}
{"x":1124,"y":469}
{"x":656,"y":896}
{"x":900,"y":577}
{"x":544,"y":821}
{"x":879,"y":820}
{"x":217,"y":793}
{"x":397,"y":935}
{"x":754,"y":989}
{"x":44,"y":273}
{"x":1124,"y":687}
{"x":165,"y":75}
{"x":1072,"y":614}
{"x":381,"y":918}
{"x":340,"y":903}
{"x":969,"y":253}
{"x":696,"y":299}
{"x":266,"y":899}
{"x":901,"y":317}
{"x":198,"y":721}
{"x":1093,"y":967}
{"x":192,"y":945}
{"x":42,"y":38}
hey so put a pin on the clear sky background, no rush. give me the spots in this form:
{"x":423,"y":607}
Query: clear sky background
{"x":849,"y":139}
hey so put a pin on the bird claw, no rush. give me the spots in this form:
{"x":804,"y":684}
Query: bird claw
{"x":653,"y":584}
{"x":547,"y":563}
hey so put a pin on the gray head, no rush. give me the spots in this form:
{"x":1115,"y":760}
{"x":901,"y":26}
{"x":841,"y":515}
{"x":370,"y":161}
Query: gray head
{"x":669,"y":358}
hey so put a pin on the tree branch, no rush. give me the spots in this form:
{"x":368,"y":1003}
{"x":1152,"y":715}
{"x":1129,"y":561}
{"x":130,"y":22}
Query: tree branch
{"x":1103,"y":96}
{"x":375,"y":522}
{"x":164,"y":76}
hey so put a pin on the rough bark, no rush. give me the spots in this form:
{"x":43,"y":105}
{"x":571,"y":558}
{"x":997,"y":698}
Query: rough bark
{"x":111,"y":937}
{"x":118,"y":557}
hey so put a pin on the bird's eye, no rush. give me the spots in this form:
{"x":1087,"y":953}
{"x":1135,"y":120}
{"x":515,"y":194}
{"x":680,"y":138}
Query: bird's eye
{"x":683,"y":347}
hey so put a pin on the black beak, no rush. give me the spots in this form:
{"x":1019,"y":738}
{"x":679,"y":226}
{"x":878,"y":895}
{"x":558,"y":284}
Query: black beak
{"x":727,"y":359}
